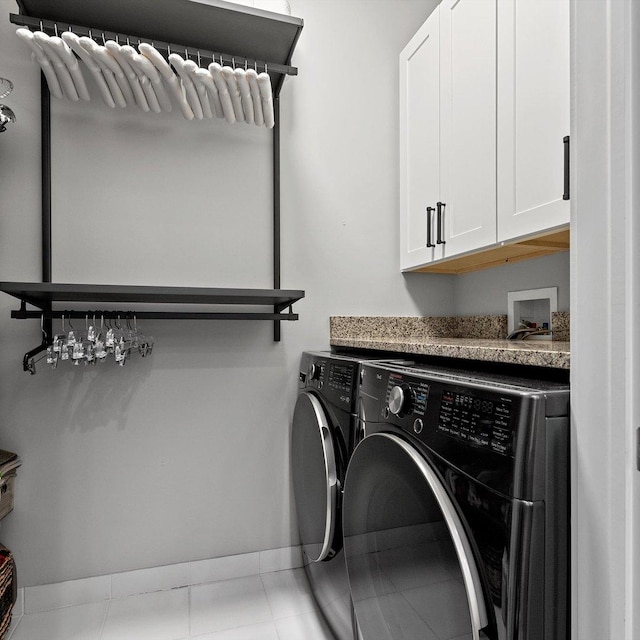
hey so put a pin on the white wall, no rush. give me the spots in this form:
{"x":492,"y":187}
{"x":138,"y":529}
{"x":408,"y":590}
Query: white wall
{"x":185,"y":455}
{"x":485,"y":292}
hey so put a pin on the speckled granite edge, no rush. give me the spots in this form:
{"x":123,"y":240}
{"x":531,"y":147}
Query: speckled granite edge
{"x":540,"y":354}
{"x":396,"y":328}
{"x":560,"y":324}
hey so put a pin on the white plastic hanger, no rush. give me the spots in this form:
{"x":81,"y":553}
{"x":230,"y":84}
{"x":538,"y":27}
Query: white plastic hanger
{"x":92,"y":47}
{"x":205,"y":78}
{"x":40,"y":57}
{"x":74,"y":42}
{"x":134,"y":82}
{"x":192,"y":69}
{"x":223,"y":91}
{"x":252,"y":79}
{"x":149,"y":70}
{"x":168,"y":75}
{"x":71,"y":62}
{"x":67,"y":56}
{"x":245,"y":95}
{"x":130,"y":53}
{"x":192,"y":95}
{"x":66,"y":82}
{"x":107,"y":61}
{"x":266,"y":95}
{"x":230,"y":78}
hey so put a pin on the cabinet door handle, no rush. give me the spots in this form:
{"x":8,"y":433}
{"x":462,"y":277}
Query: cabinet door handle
{"x":430,"y":210}
{"x":440,"y":222}
{"x":566,"y":194}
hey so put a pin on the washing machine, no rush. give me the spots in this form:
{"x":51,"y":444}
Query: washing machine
{"x":456,"y":506}
{"x":322,"y":439}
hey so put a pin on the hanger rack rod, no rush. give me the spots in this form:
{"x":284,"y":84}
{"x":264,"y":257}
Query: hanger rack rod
{"x":53,"y":27}
{"x":19,"y":314}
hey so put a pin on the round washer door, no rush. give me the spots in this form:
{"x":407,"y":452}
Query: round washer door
{"x":411,"y":567}
{"x":315,"y":479}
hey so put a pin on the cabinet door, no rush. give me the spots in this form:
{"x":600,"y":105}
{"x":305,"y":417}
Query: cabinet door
{"x":533,"y":115}
{"x":419,"y":142}
{"x":468,"y":123}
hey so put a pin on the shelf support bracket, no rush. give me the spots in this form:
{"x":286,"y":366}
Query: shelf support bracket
{"x":276,"y":210}
{"x":45,"y":117}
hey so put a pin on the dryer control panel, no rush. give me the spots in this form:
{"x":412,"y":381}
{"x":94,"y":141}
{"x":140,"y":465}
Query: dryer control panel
{"x":334,"y":378}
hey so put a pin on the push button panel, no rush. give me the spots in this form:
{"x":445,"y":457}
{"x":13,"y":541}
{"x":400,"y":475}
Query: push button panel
{"x":485,"y":422}
{"x":335,"y":380}
{"x":341,"y":383}
{"x":474,"y":418}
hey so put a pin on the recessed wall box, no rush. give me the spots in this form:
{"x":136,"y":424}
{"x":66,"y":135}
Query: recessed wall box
{"x":532,"y":307}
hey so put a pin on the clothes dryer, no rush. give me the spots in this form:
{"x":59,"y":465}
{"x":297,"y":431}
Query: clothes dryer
{"x":322,"y":439}
{"x":456,"y":507}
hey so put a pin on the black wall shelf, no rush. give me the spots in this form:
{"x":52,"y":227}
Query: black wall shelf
{"x":241,"y":35}
{"x":44,"y":295}
{"x":210,"y":26}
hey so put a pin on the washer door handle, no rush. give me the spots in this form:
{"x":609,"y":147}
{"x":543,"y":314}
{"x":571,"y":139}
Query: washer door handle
{"x":330,"y":471}
{"x":470,"y":575}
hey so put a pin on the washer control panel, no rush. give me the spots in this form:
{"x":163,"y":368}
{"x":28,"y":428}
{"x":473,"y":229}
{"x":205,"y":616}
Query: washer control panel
{"x":481,"y":421}
{"x":406,"y":397}
{"x":432,"y":408}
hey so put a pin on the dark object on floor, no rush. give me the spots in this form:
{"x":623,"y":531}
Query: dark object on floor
{"x":8,"y":589}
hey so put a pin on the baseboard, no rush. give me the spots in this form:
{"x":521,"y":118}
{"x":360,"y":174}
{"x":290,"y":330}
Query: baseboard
{"x":128,"y":583}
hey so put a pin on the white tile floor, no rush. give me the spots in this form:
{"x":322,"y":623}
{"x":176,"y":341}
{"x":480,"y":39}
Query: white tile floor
{"x":271,"y":606}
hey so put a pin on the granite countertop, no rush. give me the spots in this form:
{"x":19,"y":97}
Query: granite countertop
{"x":441,"y":337}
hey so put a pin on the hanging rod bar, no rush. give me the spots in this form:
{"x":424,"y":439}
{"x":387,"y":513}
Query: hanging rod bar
{"x":50,"y":26}
{"x":149,"y":315}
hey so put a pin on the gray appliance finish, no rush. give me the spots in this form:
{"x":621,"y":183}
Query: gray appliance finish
{"x":322,"y":439}
{"x":456,"y":506}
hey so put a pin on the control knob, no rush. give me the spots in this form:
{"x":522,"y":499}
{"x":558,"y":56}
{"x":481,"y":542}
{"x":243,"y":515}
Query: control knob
{"x":399,"y":399}
{"x":314,"y":371}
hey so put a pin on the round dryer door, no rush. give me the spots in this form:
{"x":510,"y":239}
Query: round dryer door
{"x":315,"y":479}
{"x":411,"y":568}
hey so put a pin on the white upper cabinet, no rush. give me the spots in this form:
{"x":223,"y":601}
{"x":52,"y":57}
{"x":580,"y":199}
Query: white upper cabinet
{"x":484,"y":109}
{"x":420,"y":143}
{"x":468,"y":124}
{"x":533,"y":115}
